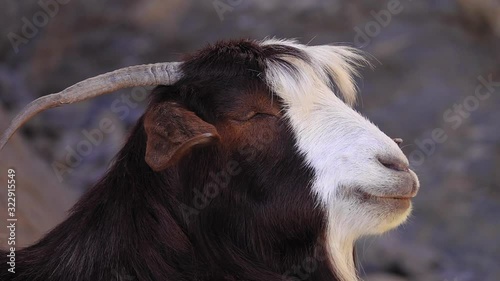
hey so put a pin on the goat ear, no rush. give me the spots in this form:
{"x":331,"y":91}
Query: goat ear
{"x":172,"y":132}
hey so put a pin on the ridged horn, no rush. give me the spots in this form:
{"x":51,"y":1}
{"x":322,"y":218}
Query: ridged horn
{"x":132,"y":76}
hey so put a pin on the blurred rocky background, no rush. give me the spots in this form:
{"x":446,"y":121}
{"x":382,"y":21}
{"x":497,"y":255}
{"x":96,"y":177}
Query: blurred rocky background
{"x":436,"y":84}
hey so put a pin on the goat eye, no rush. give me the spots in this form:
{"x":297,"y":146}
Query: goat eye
{"x":249,"y":115}
{"x":252,"y":114}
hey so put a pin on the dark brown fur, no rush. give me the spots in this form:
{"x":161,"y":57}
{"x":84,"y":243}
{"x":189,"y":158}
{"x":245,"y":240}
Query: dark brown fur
{"x":238,"y":209}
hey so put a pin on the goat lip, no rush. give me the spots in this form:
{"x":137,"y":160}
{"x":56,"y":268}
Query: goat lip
{"x":394,"y":197}
{"x":396,"y":203}
{"x":366,"y":195}
{"x":400,"y":197}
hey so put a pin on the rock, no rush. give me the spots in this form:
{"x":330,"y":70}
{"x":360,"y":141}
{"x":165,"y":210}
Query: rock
{"x":482,"y":14}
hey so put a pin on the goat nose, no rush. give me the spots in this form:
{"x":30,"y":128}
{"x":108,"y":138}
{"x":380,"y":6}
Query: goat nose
{"x":394,"y":164}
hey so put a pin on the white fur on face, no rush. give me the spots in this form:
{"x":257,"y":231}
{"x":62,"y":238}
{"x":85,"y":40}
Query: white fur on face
{"x":340,"y":145}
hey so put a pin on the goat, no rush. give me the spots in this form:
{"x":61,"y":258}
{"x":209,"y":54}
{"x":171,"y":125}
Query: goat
{"x":249,"y":163}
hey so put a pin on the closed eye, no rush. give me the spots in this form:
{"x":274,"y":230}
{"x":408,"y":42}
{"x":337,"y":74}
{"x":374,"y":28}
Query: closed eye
{"x":254,"y":115}
{"x":262,"y":115}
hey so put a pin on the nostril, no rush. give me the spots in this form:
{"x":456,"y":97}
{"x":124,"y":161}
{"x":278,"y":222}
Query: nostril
{"x":394,"y":164}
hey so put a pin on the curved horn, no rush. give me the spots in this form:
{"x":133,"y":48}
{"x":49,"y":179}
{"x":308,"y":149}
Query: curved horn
{"x":139,"y":75}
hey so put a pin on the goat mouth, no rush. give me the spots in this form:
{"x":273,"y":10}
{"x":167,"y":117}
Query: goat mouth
{"x":398,"y":201}
{"x":391,"y":197}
